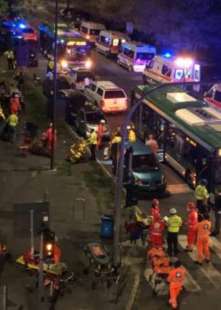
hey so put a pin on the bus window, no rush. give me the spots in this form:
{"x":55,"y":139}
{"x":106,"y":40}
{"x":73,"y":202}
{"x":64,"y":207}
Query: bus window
{"x":179,"y":74}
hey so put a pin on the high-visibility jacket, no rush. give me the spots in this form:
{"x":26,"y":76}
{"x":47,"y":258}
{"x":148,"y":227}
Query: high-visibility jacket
{"x":116,"y":139}
{"x":9,"y":54}
{"x":93,"y":138}
{"x":201,"y":192}
{"x":2,"y":115}
{"x":203,"y":229}
{"x":51,"y":64}
{"x":132,"y":135}
{"x":192,"y":220}
{"x":174,"y":223}
{"x":12,"y":120}
{"x":177,"y":276}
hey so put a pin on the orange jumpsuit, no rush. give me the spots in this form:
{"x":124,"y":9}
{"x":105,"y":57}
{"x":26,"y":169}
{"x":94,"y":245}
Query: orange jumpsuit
{"x":15,"y":105}
{"x":57,"y":254}
{"x":176,"y":281}
{"x":192,"y":221}
{"x":155,"y":213}
{"x":100,"y":133}
{"x":156,"y":233}
{"x":203,"y":232}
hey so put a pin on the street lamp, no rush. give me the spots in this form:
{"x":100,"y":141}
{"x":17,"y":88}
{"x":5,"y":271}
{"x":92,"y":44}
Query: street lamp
{"x":54,"y":86}
{"x":120,"y":167}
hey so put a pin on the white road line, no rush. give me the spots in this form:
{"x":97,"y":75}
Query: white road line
{"x":190,"y":284}
{"x":212,"y":274}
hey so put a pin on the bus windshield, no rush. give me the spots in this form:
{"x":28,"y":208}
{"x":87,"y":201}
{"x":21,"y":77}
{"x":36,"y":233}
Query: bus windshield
{"x":142,"y":163}
{"x":144,"y":56}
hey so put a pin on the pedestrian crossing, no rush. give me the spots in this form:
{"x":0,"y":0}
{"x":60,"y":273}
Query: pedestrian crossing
{"x":195,"y":273}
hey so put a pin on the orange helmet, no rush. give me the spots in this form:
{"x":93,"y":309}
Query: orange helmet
{"x":155,"y":202}
{"x":191,"y":205}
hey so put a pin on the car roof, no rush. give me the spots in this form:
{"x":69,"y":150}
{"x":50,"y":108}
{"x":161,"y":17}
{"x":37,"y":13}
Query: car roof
{"x":107,"y":85}
{"x":139,"y":148}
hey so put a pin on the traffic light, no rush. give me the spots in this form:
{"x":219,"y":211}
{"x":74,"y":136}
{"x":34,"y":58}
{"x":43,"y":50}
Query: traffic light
{"x":49,"y":250}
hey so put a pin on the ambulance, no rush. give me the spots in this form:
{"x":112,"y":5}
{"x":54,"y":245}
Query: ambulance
{"x":213,"y":96}
{"x":136,"y":56}
{"x":90,"y":31}
{"x":109,"y":42}
{"x":163,"y":69}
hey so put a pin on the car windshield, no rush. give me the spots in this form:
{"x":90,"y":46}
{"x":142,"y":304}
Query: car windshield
{"x":217,"y":95}
{"x":82,"y":75}
{"x":144,"y":56}
{"x":77,"y":57}
{"x":94,"y":117}
{"x":142,"y":163}
{"x":110,"y":94}
{"x":63,"y":84}
{"x":94,"y":32}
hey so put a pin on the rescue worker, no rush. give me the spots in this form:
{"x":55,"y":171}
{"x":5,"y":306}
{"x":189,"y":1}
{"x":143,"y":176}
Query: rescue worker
{"x":77,"y":151}
{"x":50,"y":66}
{"x":101,"y":129}
{"x":12,"y":123}
{"x":131,"y":134}
{"x":155,"y":209}
{"x":152,"y":143}
{"x":115,"y":149}
{"x":15,"y":105}
{"x":203,"y":237}
{"x":156,"y":232}
{"x":192,"y":222}
{"x":10,"y":59}
{"x":176,"y":280}
{"x":92,"y":141}
{"x":201,"y":196}
{"x":57,"y":254}
{"x":173,"y":222}
{"x":51,"y":138}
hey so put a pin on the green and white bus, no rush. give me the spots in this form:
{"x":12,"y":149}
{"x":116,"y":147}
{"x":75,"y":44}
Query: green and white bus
{"x":188,"y":132}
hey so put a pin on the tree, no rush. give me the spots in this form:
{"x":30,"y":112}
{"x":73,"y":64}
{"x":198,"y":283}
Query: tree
{"x":4,"y":5}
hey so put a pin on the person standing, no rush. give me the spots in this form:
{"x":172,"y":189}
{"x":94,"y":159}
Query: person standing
{"x":155,"y":209}
{"x":10,"y":59}
{"x":201,"y":196}
{"x":115,"y":149}
{"x":131,"y":134}
{"x":176,"y":280}
{"x":203,"y":237}
{"x":51,"y":138}
{"x":192,"y":222}
{"x":15,"y":105}
{"x":152,"y":143}
{"x":92,"y":141}
{"x":12,"y":122}
{"x":101,"y":129}
{"x":173,"y":222}
{"x":156,"y":232}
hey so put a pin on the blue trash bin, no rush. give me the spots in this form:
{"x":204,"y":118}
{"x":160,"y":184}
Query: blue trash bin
{"x":107,"y":227}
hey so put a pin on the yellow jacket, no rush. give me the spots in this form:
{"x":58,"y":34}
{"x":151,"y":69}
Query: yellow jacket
{"x":93,"y":138}
{"x":12,"y":120}
{"x":174,"y":223}
{"x":201,"y":192}
{"x":132,"y":136}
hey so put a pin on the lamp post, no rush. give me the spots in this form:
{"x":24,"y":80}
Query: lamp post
{"x":120,"y":167}
{"x":54,"y":86}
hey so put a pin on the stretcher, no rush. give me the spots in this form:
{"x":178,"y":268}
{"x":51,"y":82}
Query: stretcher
{"x":52,"y":269}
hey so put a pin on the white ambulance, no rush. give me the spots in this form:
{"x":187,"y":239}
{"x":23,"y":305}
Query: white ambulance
{"x":109,"y":42}
{"x":135,"y":56}
{"x":90,"y":31}
{"x":162,"y":69}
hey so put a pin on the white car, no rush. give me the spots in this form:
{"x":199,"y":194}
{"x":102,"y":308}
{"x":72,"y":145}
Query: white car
{"x":108,"y":96}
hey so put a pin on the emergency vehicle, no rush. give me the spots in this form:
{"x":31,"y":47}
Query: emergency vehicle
{"x":109,"y":42}
{"x":164,"y":69}
{"x":135,"y":56}
{"x":90,"y":31}
{"x":213,"y":96}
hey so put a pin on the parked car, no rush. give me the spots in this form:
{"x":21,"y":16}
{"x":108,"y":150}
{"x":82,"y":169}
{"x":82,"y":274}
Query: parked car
{"x":80,"y":78}
{"x":108,"y":96}
{"x":83,"y":115}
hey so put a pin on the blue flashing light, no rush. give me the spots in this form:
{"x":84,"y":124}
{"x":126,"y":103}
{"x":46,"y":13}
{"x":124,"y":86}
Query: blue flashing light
{"x":22,"y":26}
{"x":167,"y":55}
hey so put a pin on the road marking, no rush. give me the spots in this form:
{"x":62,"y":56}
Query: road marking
{"x":212,"y":274}
{"x":135,"y":287}
{"x":216,"y":246}
{"x":190,"y":284}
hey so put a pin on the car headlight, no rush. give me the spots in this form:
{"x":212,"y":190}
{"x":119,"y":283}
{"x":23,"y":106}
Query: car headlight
{"x":64,"y":64}
{"x":88,"y":64}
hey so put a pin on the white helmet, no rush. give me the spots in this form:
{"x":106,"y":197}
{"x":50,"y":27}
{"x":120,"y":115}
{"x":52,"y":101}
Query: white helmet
{"x":173,"y":211}
{"x":102,"y":121}
{"x":128,"y":127}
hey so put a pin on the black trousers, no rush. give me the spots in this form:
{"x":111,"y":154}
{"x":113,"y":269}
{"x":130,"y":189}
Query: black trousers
{"x":93,"y":151}
{"x":202,"y":208}
{"x":172,"y":243}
